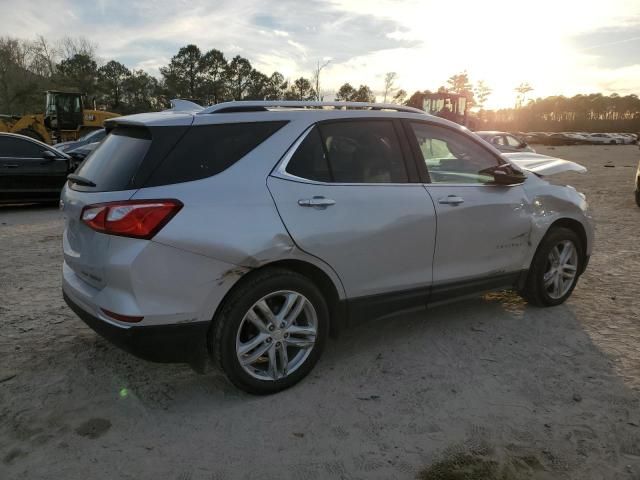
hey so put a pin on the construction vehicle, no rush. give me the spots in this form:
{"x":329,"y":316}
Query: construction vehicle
{"x":448,"y":105}
{"x":64,"y":119}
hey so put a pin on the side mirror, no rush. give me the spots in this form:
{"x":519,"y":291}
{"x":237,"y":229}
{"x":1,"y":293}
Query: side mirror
{"x":507,"y":175}
{"x":504,"y":174}
{"x":49,"y":156}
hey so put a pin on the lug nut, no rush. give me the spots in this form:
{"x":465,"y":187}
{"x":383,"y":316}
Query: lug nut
{"x":271,"y":328}
{"x":269,"y":340}
{"x":282,"y":325}
{"x":286,"y":334}
{"x":277,"y":344}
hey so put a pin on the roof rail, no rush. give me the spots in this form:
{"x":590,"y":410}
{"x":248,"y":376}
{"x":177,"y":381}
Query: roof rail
{"x":263,"y":105}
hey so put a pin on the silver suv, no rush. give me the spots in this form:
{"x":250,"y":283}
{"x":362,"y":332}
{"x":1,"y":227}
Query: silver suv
{"x":248,"y":231}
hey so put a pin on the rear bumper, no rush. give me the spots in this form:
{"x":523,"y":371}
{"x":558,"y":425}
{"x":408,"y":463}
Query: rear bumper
{"x":170,"y":343}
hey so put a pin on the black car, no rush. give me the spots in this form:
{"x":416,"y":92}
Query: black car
{"x":30,"y":171}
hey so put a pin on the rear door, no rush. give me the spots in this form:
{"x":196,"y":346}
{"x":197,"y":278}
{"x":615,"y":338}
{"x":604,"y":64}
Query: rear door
{"x":348,"y":196}
{"x":483,"y":228}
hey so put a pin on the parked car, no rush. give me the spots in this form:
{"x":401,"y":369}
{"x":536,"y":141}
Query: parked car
{"x":578,"y":138}
{"x":505,"y":142}
{"x":249,"y":230}
{"x":91,"y":137}
{"x":624,"y":138}
{"x":558,"y":139}
{"x":79,"y":154}
{"x":602,"y":138}
{"x":535,"y":137}
{"x":30,"y":171}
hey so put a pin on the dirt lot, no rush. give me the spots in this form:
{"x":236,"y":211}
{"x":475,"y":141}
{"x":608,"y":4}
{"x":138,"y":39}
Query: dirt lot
{"x":491,"y":383}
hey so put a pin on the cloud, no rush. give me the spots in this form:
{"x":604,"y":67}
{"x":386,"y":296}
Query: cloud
{"x":611,"y":47}
{"x":425,"y":41}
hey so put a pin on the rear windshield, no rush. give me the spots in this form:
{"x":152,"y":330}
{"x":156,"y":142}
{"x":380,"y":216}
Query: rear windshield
{"x":137,"y":157}
{"x":115,"y":162}
{"x":207,"y":150}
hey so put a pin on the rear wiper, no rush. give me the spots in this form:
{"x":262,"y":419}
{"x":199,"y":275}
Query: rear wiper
{"x":80,"y":180}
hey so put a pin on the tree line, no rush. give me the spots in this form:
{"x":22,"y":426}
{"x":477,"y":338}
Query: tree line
{"x":29,"y":67}
{"x":589,"y":113}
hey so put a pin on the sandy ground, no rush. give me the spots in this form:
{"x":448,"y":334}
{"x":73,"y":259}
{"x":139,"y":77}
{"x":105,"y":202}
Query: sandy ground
{"x":546,"y":393}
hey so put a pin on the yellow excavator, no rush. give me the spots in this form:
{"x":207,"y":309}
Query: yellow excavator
{"x":64,"y":119}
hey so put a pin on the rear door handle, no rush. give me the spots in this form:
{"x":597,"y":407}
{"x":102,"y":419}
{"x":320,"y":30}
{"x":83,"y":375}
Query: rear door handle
{"x":318,"y":202}
{"x":10,"y":165}
{"x":451,"y":200}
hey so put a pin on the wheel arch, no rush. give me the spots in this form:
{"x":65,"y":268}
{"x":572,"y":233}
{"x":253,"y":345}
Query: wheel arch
{"x":324,"y":282}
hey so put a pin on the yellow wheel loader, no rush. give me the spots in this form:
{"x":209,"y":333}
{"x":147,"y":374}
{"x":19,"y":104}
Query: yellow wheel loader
{"x":64,"y":119}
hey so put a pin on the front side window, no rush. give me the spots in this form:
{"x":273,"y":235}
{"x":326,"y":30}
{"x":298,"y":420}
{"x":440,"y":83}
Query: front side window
{"x":451,"y":157}
{"x":350,"y":152}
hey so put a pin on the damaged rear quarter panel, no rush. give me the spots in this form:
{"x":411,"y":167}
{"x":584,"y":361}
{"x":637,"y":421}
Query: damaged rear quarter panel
{"x":231,"y":217}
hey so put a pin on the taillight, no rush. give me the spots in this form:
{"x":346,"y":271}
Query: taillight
{"x":130,"y":218}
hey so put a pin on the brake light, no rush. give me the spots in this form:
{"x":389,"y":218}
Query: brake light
{"x":130,"y":218}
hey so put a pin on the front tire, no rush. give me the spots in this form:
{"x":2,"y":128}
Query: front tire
{"x":638,"y":196}
{"x":270,"y":331}
{"x":555,"y":268}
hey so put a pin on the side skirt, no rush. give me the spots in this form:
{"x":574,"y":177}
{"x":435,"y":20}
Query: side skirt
{"x":376,"y":306}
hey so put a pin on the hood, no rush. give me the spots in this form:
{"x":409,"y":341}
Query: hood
{"x":543,"y":164}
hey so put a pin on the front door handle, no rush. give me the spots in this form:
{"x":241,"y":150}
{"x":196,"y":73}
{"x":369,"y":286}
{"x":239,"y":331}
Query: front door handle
{"x":451,"y":200}
{"x":10,"y":165}
{"x":318,"y":202}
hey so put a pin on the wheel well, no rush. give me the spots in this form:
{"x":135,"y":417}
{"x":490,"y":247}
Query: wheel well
{"x":577,"y":228}
{"x":337,"y":309}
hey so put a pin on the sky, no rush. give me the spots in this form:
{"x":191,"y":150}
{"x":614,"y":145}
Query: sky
{"x":557,"y":46}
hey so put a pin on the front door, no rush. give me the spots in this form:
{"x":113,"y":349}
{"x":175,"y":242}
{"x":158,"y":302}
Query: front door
{"x":345,"y":196}
{"x":25,"y":175}
{"x":483,"y":228}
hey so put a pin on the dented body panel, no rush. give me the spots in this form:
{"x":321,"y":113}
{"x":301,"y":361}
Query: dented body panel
{"x":543,"y":165}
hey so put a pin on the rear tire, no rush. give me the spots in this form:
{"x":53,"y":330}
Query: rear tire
{"x":552,"y":277}
{"x":264,"y":351}
{"x":638,"y":196}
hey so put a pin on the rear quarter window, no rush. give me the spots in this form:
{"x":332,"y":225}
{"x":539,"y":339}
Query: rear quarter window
{"x":207,"y":150}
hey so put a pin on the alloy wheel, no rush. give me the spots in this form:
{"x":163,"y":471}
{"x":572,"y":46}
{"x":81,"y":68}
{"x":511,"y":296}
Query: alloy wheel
{"x":276,"y":335}
{"x":562,"y":268}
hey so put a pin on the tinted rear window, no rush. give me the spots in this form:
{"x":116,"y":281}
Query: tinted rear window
{"x":113,"y":165}
{"x":207,"y":150}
